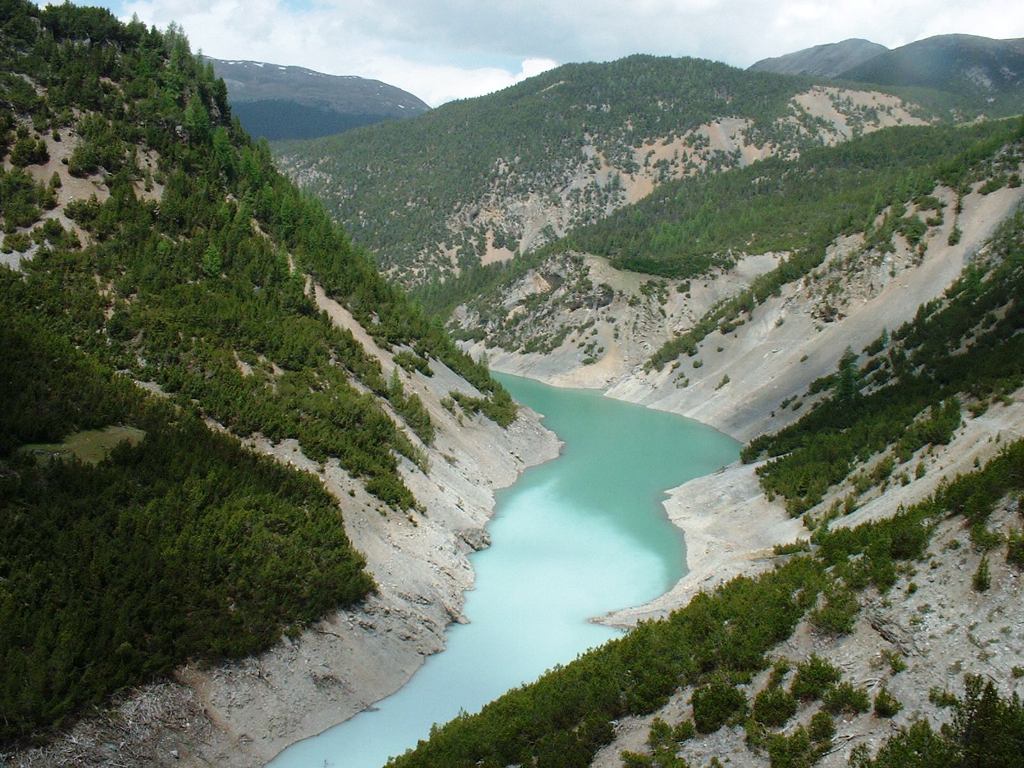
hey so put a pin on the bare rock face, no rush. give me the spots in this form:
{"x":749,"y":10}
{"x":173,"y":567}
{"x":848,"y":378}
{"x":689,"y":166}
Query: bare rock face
{"x":476,"y":538}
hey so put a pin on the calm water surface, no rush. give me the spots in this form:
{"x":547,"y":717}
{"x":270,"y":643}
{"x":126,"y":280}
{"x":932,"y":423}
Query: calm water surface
{"x":572,"y":539}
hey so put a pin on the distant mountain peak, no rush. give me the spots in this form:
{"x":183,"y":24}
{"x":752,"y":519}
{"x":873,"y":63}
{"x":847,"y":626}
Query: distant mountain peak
{"x":956,"y":63}
{"x":280,"y":101}
{"x":980,"y":69}
{"x":826,"y":60}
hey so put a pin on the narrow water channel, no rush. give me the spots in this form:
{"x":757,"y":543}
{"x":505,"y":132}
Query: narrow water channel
{"x":572,"y":539}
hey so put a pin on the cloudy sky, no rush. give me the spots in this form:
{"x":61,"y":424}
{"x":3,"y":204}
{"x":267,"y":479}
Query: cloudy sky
{"x":448,"y":49}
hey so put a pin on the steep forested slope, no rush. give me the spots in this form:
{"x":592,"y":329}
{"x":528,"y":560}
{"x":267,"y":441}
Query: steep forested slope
{"x":150,"y":245}
{"x":184,"y":546}
{"x":695,"y":230}
{"x":966,"y":345}
{"x":484,"y":179}
{"x":686,"y":227}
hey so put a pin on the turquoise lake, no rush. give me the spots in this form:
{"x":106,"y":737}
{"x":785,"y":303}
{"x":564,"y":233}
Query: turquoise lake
{"x":572,"y":539}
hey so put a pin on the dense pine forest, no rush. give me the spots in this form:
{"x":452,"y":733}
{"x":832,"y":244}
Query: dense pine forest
{"x":182,"y":547}
{"x":178,"y":261}
{"x":547,"y":121}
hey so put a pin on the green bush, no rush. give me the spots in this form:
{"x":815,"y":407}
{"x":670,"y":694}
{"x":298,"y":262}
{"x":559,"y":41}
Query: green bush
{"x":19,"y":241}
{"x":822,"y":728}
{"x":780,"y":668}
{"x":838,"y":614}
{"x":813,"y":677}
{"x":793,"y":751}
{"x":715,"y":704}
{"x":844,"y":697}
{"x":895,"y":660}
{"x":29,"y":151}
{"x":941,"y":697}
{"x":1015,"y":548}
{"x":982,"y":578}
{"x":886,"y":705}
{"x":773,"y":707}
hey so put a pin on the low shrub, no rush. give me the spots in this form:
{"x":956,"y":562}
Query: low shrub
{"x":839,"y":612}
{"x":813,"y":677}
{"x":715,"y":704}
{"x":982,"y":579}
{"x":773,"y":707}
{"x":1015,"y":549}
{"x":793,"y":751}
{"x":822,"y":728}
{"x":886,"y":705}
{"x":844,"y":697}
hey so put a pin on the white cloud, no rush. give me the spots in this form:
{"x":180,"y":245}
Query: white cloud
{"x":438,"y":84}
{"x":447,"y":49}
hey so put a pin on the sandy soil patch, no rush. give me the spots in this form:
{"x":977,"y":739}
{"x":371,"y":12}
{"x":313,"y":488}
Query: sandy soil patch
{"x":494,"y":254}
{"x":851,"y":111}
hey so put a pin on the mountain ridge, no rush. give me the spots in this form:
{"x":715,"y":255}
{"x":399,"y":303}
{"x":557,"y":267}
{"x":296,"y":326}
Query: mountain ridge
{"x":957,"y":63}
{"x":826,"y":60}
{"x":985,"y":74}
{"x":276,"y":101}
{"x":519,"y":168}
